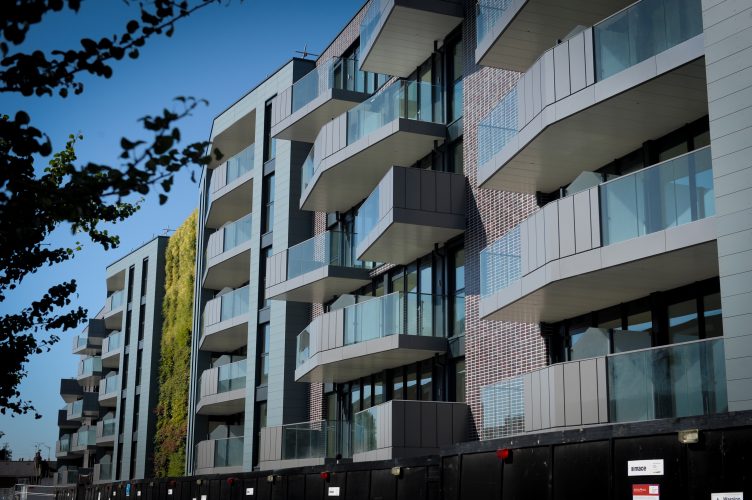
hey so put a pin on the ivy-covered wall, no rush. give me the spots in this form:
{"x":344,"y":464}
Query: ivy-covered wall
{"x":177,"y":313}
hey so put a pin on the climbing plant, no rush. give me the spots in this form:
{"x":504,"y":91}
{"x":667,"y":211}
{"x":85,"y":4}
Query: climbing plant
{"x":177,"y":324}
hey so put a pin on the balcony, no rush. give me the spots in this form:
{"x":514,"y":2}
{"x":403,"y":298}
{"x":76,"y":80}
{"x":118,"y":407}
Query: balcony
{"x":409,"y":212}
{"x":511,"y":34}
{"x":89,"y":371}
{"x":103,"y":472}
{"x":64,"y":423}
{"x":106,"y":431}
{"x":397,"y":36}
{"x":70,"y":390}
{"x":223,"y":390}
{"x":316,"y":270}
{"x":641,"y":233}
{"x":320,"y":96}
{"x":84,"y":440}
{"x":303,"y":444}
{"x":228,"y":255}
{"x":226,"y":322}
{"x":231,"y":189}
{"x":398,"y":126}
{"x":108,"y":391}
{"x":217,"y":456}
{"x":89,"y":342}
{"x":674,"y":381}
{"x":397,"y":429}
{"x":599,"y":95}
{"x":66,"y":476}
{"x":88,"y":406}
{"x":111,"y":349}
{"x":368,"y":337}
{"x":63,"y":446}
{"x":113,"y":310}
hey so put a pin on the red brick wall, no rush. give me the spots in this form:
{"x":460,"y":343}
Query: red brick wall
{"x":493,"y":350}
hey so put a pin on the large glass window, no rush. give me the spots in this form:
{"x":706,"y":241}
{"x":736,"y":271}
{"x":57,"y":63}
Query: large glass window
{"x":426,"y":380}
{"x":264,"y":341}
{"x":270,"y":144}
{"x":683,"y":322}
{"x":268,"y":196}
{"x":458,"y":296}
{"x":412,"y":383}
{"x":456,"y":70}
{"x":398,"y":385}
{"x":712,"y":315}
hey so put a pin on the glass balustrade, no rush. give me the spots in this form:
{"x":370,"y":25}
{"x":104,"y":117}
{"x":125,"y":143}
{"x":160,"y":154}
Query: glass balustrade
{"x":231,"y":376}
{"x":336,"y":73}
{"x":237,"y":233}
{"x":80,"y":341}
{"x":116,"y":300}
{"x":108,"y":427}
{"x":89,"y":366}
{"x":64,"y":443}
{"x":112,"y":342}
{"x":76,"y":409}
{"x":366,"y":431}
{"x":240,"y":164}
{"x":108,"y":385}
{"x":672,"y":193}
{"x":228,"y":452}
{"x":234,"y":304}
{"x":371,"y":21}
{"x":86,"y":436}
{"x":367,"y":217}
{"x":331,"y":248}
{"x":674,"y":381}
{"x":498,"y":127}
{"x":308,"y":168}
{"x":501,"y":263}
{"x":643,"y":30}
{"x":105,"y":471}
{"x":487,"y":14}
{"x":307,"y":439}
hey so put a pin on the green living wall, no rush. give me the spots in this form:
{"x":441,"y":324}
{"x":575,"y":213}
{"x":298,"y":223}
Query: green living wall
{"x":177,"y":324}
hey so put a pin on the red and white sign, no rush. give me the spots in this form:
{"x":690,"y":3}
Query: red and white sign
{"x":645,"y":492}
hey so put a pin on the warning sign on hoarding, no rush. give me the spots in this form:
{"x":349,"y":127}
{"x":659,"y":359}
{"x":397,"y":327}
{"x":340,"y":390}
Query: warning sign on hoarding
{"x":727,"y":496}
{"x":645,"y":492}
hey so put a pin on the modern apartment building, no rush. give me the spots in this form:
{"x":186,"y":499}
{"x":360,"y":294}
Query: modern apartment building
{"x":107,"y":427}
{"x":472,"y":221}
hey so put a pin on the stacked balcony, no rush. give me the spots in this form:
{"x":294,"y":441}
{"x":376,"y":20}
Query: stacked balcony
{"x":222,"y":390}
{"x":409,"y":212}
{"x":89,"y":342}
{"x":113,"y":310}
{"x":352,"y":153}
{"x":66,"y":475}
{"x":226,"y":322}
{"x":86,"y":407}
{"x":104,"y":472}
{"x":64,"y":423}
{"x":108,"y":391}
{"x":70,"y":390}
{"x":396,"y":36}
{"x":367,"y":337}
{"x":679,"y":380}
{"x":111,"y":350}
{"x":106,"y":431}
{"x":637,"y":234}
{"x":511,"y":34}
{"x":215,"y":456}
{"x":323,"y":94}
{"x":84,"y":440}
{"x":597,"y":96}
{"x":303,"y":444}
{"x":228,"y":255}
{"x":231,"y":189}
{"x":63,"y":446}
{"x":89,"y":371}
{"x":317,"y":269}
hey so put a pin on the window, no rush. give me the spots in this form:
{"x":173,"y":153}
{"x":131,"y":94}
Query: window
{"x":263,"y":349}
{"x":270,"y":144}
{"x":457,"y":296}
{"x":412,"y":383}
{"x":131,"y":277}
{"x":128,"y":319}
{"x":141,"y":322}
{"x":138,"y":367}
{"x":456,"y":159}
{"x":266,"y":253}
{"x":426,"y":380}
{"x":459,"y":381}
{"x":455,"y":72}
{"x":125,"y":375}
{"x":268,"y":196}
{"x":379,"y":395}
{"x":683,"y":322}
{"x":713,"y":321}
{"x":144,"y":276}
{"x":398,"y":385}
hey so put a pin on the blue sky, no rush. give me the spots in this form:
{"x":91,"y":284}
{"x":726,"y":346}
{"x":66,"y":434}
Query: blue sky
{"x":217,"y":54}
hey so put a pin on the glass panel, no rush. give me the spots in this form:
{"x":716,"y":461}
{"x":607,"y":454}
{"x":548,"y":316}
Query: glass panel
{"x":398,"y":389}
{"x":683,"y":324}
{"x":712,"y":315}
{"x":234,"y":303}
{"x":367,"y":217}
{"x":412,"y":383}
{"x":240,"y":164}
{"x":487,"y":14}
{"x":237,"y":233}
{"x":503,"y":406}
{"x":378,"y":389}
{"x":331,"y":248}
{"x":666,"y":195}
{"x":459,"y":381}
{"x":668,"y":382}
{"x":113,"y":341}
{"x":355,"y":398}
{"x":501,"y":263}
{"x":231,"y":376}
{"x":370,"y":21}
{"x":642,"y":31}
{"x":309,"y":440}
{"x":108,"y":427}
{"x":365,"y":429}
{"x":498,"y":127}
{"x":426,"y":380}
{"x":228,"y":452}
{"x":589,"y":343}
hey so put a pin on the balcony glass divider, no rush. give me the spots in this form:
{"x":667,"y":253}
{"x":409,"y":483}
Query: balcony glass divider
{"x":234,"y":303}
{"x":332,"y":248}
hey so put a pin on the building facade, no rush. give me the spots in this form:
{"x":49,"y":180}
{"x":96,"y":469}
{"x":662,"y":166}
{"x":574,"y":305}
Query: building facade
{"x":473,"y":221}
{"x":107,"y":427}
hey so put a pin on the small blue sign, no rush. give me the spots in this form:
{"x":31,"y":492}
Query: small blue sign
{"x":128,"y":490}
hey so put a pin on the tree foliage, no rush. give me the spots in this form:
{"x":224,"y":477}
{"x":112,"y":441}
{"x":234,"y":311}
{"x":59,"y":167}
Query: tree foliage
{"x":177,"y":324}
{"x":34,"y":201}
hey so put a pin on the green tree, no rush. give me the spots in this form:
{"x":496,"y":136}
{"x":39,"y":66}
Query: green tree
{"x":177,"y":324}
{"x":83,"y":197}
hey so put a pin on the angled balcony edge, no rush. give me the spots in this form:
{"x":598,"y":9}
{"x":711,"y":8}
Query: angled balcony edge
{"x":223,"y":403}
{"x":226,"y":336}
{"x":229,"y":268}
{"x":231,"y":202}
{"x":319,"y":285}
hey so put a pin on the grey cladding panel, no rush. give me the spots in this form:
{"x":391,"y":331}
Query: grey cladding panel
{"x":589,"y":392}
{"x":582,"y":224}
{"x":428,"y":424}
{"x":566,"y":227}
{"x":412,"y":189}
{"x":561,"y":67}
{"x":577,"y":62}
{"x":427,"y":190}
{"x":572,"y":402}
{"x":443,"y":194}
